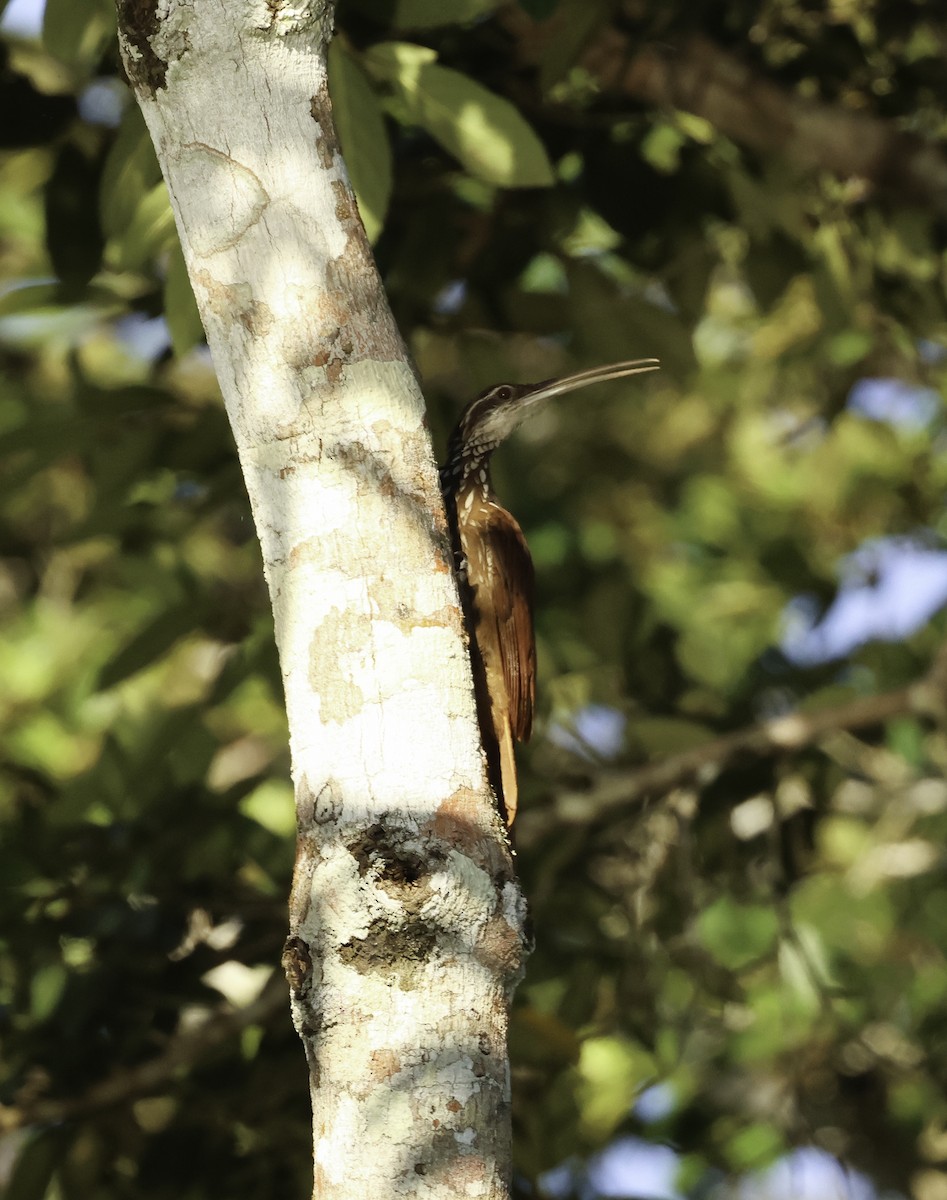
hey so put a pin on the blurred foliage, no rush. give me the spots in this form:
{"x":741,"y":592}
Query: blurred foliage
{"x":769,"y":948}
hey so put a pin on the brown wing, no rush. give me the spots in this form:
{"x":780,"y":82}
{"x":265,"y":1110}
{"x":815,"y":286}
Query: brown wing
{"x":512,"y":595}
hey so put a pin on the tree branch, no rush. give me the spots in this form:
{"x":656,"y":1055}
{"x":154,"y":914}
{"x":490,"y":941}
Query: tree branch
{"x":183,"y":1050}
{"x":926,"y":697}
{"x":707,"y":81}
{"x":700,"y":77}
{"x":403,"y":893}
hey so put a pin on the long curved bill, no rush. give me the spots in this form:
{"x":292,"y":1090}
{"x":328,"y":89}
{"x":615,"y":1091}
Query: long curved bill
{"x":570,"y":383}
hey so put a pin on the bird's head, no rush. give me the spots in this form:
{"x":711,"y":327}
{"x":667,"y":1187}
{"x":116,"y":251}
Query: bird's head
{"x":496,"y":412}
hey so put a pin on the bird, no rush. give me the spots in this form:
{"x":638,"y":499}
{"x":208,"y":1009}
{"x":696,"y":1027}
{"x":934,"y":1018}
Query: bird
{"x":493,"y":564}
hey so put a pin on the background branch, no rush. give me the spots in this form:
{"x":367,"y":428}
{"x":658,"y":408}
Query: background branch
{"x":700,"y":77}
{"x":705,"y":80}
{"x":183,"y":1050}
{"x":703,"y":764}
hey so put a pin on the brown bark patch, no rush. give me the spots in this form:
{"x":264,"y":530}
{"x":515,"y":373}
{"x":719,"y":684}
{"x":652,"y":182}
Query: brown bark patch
{"x":384,"y":1064}
{"x":465,"y":821}
{"x":354,"y":298}
{"x":338,"y":635}
{"x":392,"y":950}
{"x":233,"y":303}
{"x":301,"y":894}
{"x":392,"y":862}
{"x":297,"y":963}
{"x":501,"y":949}
{"x":257,"y":318}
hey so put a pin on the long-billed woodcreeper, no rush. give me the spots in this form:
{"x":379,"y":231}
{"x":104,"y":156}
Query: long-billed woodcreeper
{"x":494,"y":567}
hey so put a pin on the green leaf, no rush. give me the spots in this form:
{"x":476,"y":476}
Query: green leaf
{"x":150,"y":643}
{"x":77,"y":31}
{"x":131,"y":171}
{"x":907,"y":738}
{"x":737,"y":934}
{"x":667,"y":735}
{"x":388,"y":59}
{"x":612,"y":1070}
{"x":754,"y":1146}
{"x":35,"y":1165}
{"x":365,"y":145}
{"x":30,"y":297}
{"x":848,"y":348}
{"x":180,"y":307}
{"x":46,"y":989}
{"x":614,"y":324}
{"x":151,"y":230}
{"x":575,"y":23}
{"x":73,"y":233}
{"x":272,"y":806}
{"x":426,"y":14}
{"x":662,"y":145}
{"x":485,"y":132}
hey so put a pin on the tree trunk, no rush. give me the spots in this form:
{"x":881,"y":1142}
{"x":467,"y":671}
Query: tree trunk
{"x":406,"y":922}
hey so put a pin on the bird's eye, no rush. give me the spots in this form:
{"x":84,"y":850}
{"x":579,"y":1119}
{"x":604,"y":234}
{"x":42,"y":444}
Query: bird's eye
{"x":504,"y":393}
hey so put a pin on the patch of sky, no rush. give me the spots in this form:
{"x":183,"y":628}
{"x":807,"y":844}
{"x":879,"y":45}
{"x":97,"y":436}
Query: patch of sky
{"x":560,"y":1182}
{"x":145,"y":337}
{"x":655,"y":1103}
{"x":594,"y":732}
{"x":889,"y":589}
{"x":23,"y":18}
{"x":900,"y":404}
{"x":49,"y":324}
{"x":103,"y":102}
{"x":190,"y":491}
{"x":450,"y":298}
{"x":630,"y":1167}
{"x":806,"y":1174}
{"x":931,"y":352}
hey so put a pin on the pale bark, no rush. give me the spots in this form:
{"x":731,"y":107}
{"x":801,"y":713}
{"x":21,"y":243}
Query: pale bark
{"x":406,"y":920}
